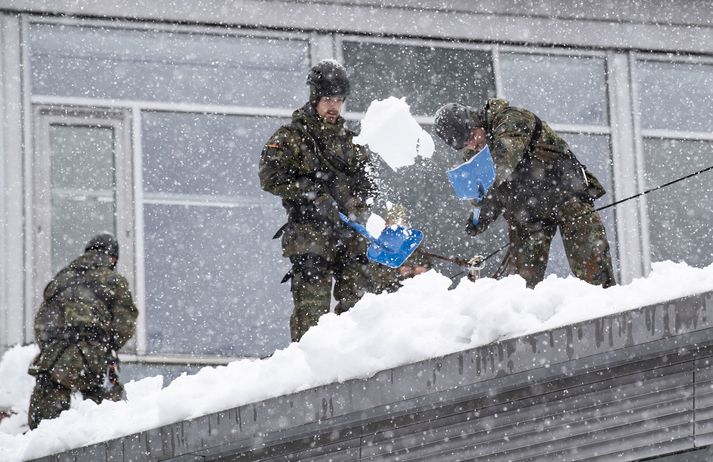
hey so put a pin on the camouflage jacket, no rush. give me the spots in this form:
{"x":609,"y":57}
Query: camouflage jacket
{"x":307,"y":163}
{"x":529,"y":186}
{"x":87,"y":303}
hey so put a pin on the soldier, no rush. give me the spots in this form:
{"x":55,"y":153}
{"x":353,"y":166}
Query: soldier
{"x":539,"y":185}
{"x":317,"y":170}
{"x":386,"y":279}
{"x":86,"y":316}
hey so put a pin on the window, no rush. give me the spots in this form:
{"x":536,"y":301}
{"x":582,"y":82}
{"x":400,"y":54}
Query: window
{"x":675,"y":101}
{"x":428,"y":76}
{"x":80,"y":158}
{"x":675,"y":95}
{"x":211,"y":266}
{"x":172,"y":170}
{"x":560,"y":89}
{"x":680,"y":215}
{"x":150,"y":65}
{"x":569,"y":93}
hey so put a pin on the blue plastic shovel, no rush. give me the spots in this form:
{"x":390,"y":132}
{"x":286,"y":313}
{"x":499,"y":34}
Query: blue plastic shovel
{"x":393,"y":246}
{"x":472,"y":179}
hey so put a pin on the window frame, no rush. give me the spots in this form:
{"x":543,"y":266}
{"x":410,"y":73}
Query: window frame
{"x":133,"y":253}
{"x":641,"y":134}
{"x":117,"y":120}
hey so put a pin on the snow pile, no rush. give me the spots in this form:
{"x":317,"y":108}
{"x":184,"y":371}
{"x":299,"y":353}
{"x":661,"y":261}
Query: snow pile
{"x":15,"y":388}
{"x":422,"y":320}
{"x":389,"y":129}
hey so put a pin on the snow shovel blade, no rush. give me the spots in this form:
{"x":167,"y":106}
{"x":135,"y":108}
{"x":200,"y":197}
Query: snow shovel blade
{"x":472,"y":179}
{"x":394,"y":246}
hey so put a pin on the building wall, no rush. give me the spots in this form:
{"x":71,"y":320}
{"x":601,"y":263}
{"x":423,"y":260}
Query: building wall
{"x":626,"y":387}
{"x":147,"y":119}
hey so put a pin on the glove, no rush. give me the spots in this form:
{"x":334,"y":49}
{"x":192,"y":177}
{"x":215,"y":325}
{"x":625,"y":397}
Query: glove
{"x":476,"y":215}
{"x":325,"y":207}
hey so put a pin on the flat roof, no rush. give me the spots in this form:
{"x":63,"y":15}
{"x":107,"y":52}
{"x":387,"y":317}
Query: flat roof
{"x":630,"y":385}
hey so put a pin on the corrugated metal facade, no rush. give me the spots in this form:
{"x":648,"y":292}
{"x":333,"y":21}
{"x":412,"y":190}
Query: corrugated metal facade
{"x":626,"y":387}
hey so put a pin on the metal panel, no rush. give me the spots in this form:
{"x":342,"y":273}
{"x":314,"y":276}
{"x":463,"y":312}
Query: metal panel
{"x":652,"y":26}
{"x":11,"y":184}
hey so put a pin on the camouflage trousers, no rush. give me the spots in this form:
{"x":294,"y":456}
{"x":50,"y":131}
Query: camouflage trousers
{"x":312,"y":278}
{"x":49,"y":398}
{"x":584,"y":239}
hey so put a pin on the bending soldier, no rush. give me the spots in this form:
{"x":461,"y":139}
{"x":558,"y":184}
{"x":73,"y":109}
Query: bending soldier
{"x":540,"y":186}
{"x":317,"y":170}
{"x":86,"y":316}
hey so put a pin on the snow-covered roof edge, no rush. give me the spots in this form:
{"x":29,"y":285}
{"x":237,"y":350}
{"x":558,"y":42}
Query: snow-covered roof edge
{"x":683,"y":326}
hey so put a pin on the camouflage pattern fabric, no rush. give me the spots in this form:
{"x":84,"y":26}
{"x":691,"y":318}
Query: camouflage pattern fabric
{"x":386,"y":279}
{"x":87,"y":313}
{"x":538,"y":192}
{"x":318,"y":171}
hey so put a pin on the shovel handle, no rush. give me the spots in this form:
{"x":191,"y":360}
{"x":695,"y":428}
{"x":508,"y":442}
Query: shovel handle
{"x":359,"y":228}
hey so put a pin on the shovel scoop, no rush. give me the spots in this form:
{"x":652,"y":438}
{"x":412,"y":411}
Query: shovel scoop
{"x":394,"y":245}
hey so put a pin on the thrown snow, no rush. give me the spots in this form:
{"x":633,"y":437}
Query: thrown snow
{"x":389,"y":129}
{"x":422,"y":320}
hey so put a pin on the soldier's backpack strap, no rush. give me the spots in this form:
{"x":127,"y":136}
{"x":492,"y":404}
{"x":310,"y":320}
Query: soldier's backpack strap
{"x":536,"y":133}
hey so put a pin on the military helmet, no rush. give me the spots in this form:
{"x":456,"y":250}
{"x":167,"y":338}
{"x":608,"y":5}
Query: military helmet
{"x":104,"y":243}
{"x":328,"y":78}
{"x":455,"y":122}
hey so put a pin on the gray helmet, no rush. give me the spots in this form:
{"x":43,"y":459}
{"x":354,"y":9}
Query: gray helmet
{"x":103,"y":243}
{"x":328,"y":78}
{"x":455,"y":122}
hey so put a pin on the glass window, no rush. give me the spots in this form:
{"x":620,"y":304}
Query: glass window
{"x":675,"y":96}
{"x":82,"y":188}
{"x":427,"y":76}
{"x":210,"y":263}
{"x":559,"y":89}
{"x":424,"y":189}
{"x":114,"y":63}
{"x":138,"y":371}
{"x":680,"y":215}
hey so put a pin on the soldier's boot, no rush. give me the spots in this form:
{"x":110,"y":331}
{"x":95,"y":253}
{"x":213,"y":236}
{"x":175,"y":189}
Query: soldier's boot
{"x":311,"y":294}
{"x":585,"y":243}
{"x":48,"y":400}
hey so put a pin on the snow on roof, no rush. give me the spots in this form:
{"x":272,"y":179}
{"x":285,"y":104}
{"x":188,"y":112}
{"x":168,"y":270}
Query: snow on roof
{"x":424,"y":319}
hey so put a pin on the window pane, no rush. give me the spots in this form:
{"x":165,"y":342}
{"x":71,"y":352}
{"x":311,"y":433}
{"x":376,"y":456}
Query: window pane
{"x":138,"y":371}
{"x":594,"y":152}
{"x":203,"y":154}
{"x":210,"y":261}
{"x":424,"y":189}
{"x":675,"y":96}
{"x":108,"y":62}
{"x":559,"y":89}
{"x":680,"y":215}
{"x":82,"y":188}
{"x":427,"y":76}
{"x":216,"y":272}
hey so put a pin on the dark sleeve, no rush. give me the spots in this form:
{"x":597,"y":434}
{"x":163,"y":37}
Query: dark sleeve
{"x":283,"y":171}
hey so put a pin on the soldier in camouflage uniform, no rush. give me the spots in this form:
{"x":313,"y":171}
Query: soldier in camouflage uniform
{"x":86,"y":316}
{"x":314,"y":166}
{"x":540,"y":186}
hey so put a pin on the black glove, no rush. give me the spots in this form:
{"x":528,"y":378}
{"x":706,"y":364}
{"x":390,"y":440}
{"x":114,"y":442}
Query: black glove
{"x":325,"y":207}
